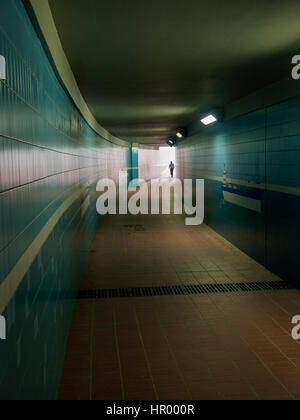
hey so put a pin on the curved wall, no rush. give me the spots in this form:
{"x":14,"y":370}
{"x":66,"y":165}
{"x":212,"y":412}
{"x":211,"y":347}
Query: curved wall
{"x":50,"y":160}
{"x":41,"y":15}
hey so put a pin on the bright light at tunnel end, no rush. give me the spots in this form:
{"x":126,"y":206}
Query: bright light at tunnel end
{"x":209,"y":120}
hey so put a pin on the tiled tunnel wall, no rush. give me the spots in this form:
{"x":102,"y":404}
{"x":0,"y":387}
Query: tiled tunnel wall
{"x":261,"y":154}
{"x":50,"y":160}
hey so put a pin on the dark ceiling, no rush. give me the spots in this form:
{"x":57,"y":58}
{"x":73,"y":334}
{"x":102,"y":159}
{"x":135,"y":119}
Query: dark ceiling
{"x":148,"y":67}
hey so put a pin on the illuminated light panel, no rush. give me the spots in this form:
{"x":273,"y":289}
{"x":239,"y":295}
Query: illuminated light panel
{"x":208,"y":120}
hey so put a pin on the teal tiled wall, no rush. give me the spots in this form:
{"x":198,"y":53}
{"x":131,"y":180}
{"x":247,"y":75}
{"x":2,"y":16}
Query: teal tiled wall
{"x":260,"y":150}
{"x":47,"y":153}
{"x":283,"y":169}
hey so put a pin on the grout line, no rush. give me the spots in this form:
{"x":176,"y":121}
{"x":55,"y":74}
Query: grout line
{"x":258,"y":357}
{"x":172,"y":354}
{"x":223,"y":349}
{"x":145,"y":353}
{"x":92,"y":350}
{"x":287,"y":334}
{"x":118,"y":352}
{"x":213,"y":298}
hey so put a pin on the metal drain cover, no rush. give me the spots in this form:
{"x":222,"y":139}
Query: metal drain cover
{"x":189,"y":289}
{"x":136,"y":228}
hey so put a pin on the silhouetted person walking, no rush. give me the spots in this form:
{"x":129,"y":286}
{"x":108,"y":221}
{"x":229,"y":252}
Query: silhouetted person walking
{"x":172,"y":167}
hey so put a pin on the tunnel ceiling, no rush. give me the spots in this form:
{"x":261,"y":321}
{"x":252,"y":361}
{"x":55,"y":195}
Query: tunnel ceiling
{"x":148,"y":67}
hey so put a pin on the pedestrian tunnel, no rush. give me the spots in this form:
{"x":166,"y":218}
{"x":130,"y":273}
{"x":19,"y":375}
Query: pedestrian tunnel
{"x":135,"y":306}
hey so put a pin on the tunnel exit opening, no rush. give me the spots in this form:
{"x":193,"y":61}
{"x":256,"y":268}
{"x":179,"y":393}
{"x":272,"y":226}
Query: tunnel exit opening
{"x":166,"y":155}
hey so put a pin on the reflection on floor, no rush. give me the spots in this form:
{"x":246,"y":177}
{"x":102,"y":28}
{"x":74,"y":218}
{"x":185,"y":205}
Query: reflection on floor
{"x":196,"y":346}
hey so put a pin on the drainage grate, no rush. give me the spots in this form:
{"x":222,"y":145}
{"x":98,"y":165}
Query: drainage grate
{"x":189,"y":289}
{"x":136,"y":228}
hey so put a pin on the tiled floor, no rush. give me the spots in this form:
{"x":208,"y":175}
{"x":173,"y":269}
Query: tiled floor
{"x":206,"y":346}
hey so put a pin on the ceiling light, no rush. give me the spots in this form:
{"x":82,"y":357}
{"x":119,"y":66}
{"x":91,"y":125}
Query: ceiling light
{"x":209,"y":120}
{"x":181,"y":132}
{"x":171,"y":142}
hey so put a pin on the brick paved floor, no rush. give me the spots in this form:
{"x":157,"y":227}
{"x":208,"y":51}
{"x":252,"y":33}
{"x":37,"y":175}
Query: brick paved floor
{"x":206,"y":346}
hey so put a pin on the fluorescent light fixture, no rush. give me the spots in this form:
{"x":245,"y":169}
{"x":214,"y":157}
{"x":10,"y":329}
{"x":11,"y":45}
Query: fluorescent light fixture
{"x":171,"y":142}
{"x":181,"y":132}
{"x":208,"y":120}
